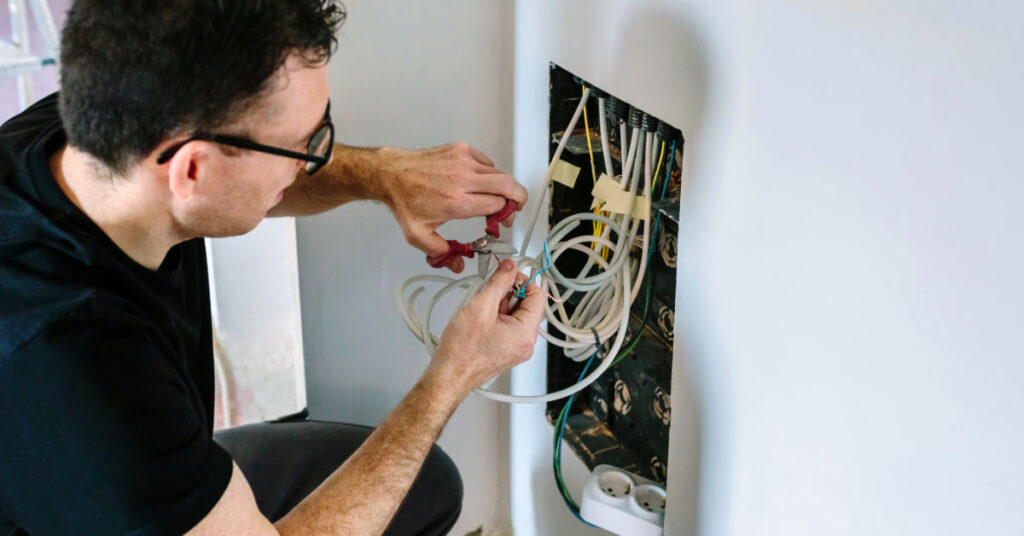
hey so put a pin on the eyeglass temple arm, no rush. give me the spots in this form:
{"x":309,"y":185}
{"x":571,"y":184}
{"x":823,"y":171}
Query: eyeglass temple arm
{"x":241,"y":144}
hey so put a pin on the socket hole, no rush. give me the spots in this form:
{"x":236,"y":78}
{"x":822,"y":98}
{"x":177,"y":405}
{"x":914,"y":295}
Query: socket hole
{"x":615,"y":484}
{"x":650,"y":498}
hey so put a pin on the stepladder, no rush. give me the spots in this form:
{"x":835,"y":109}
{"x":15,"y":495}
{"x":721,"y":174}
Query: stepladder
{"x":17,"y":59}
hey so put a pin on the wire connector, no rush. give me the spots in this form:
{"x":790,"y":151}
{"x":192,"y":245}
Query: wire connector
{"x":648,"y":122}
{"x":594,"y":91}
{"x":669,"y":133}
{"x":616,"y":110}
{"x":635,"y":117}
{"x":665,"y":131}
{"x":678,"y":136}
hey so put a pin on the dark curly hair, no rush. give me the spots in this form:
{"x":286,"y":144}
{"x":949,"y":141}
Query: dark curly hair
{"x":136,"y":71}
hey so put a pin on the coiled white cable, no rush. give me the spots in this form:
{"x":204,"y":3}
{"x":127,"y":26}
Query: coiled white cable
{"x":603,"y":121}
{"x":609,"y":294}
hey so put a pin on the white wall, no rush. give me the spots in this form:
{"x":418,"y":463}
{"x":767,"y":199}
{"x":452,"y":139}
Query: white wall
{"x":848,"y":357}
{"x":413,"y":75}
{"x":850,"y":255}
{"x":650,"y":56}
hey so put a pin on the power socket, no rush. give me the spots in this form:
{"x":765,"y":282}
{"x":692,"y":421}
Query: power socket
{"x":623,"y":503}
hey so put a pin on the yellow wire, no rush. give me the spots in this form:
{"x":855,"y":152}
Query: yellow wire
{"x":590,"y":148}
{"x":597,"y":226}
{"x":657,"y":172}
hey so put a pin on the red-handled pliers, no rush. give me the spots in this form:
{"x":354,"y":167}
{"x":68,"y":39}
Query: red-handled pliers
{"x":487,"y":244}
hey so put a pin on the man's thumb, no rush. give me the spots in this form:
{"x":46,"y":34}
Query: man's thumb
{"x":499,"y":284}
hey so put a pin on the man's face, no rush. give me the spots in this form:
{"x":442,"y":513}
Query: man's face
{"x":235,"y":188}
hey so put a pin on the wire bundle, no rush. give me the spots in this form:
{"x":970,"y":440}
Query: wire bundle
{"x":606,"y":294}
{"x":563,"y":415}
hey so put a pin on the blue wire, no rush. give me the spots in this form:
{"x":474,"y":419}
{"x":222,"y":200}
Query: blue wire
{"x":664,"y":189}
{"x":668,"y":171}
{"x":547,"y":266}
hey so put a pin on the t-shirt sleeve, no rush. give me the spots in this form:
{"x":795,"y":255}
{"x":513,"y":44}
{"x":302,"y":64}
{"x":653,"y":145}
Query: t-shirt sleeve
{"x":102,"y":434}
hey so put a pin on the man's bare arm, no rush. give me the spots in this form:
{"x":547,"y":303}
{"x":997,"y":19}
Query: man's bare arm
{"x":483,"y":339}
{"x":353,"y":174}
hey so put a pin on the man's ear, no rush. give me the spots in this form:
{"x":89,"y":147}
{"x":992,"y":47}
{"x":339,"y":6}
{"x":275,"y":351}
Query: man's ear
{"x":185,"y":168}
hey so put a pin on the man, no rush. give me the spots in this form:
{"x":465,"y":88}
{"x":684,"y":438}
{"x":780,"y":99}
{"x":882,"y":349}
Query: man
{"x":179,"y":119}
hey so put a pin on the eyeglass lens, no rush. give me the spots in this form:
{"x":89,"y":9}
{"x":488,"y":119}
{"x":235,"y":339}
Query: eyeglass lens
{"x":319,"y":145}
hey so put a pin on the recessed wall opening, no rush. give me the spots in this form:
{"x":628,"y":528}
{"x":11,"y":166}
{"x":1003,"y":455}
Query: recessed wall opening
{"x":623,"y":418}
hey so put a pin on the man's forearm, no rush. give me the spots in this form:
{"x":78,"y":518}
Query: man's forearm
{"x":352,"y":175}
{"x":362,"y":495}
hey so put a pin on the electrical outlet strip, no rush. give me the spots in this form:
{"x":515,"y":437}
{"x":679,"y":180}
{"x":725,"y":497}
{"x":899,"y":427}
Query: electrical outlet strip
{"x":623,"y":503}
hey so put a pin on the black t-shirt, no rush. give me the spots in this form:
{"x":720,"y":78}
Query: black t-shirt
{"x":106,"y":367}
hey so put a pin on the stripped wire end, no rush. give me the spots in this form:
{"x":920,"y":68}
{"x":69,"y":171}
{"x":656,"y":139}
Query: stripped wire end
{"x":521,"y":291}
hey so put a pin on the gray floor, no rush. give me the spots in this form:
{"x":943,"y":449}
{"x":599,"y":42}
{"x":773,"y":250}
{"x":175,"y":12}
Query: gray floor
{"x":44,"y":82}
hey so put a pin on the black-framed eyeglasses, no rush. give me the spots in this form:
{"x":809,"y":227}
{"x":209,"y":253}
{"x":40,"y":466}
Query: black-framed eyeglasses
{"x":318,"y":150}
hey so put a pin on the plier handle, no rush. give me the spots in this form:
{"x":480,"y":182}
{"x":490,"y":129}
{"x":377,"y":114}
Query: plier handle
{"x":487,"y":244}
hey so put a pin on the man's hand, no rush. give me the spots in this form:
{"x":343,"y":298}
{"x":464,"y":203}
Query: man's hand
{"x":425,"y":189}
{"x":487,"y":337}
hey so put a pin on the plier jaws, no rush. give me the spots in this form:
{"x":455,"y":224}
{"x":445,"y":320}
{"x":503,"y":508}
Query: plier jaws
{"x":490,"y":245}
{"x":485,"y":245}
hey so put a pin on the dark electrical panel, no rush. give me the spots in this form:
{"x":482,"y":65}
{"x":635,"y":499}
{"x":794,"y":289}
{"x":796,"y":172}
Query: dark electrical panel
{"x":623,"y":418}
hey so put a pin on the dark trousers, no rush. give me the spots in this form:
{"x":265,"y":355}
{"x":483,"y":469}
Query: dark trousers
{"x":285,"y":460}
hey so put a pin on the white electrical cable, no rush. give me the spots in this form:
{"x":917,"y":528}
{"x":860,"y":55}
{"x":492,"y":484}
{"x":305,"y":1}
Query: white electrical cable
{"x":604,"y":138}
{"x":578,"y":341}
{"x":623,"y":139}
{"x":608,"y":294}
{"x":557,"y":156}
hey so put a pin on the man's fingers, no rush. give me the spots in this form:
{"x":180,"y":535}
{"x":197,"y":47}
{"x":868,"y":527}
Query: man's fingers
{"x":509,"y":220}
{"x":429,"y":242}
{"x":480,"y":157}
{"x":457,"y":265}
{"x":531,"y":309}
{"x":476,"y":205}
{"x":500,"y":283}
{"x":503,"y":185}
{"x":503,"y":306}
